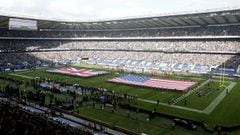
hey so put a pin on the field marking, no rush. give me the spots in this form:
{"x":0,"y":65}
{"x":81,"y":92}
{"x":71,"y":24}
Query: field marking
{"x":207,"y":110}
{"x":169,"y":105}
{"x":178,"y":99}
{"x":218,"y":99}
{"x":23,"y":76}
{"x":24,"y":71}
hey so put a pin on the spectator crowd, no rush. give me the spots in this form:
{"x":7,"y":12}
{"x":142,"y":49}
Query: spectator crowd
{"x":192,"y":52}
{"x":232,"y":30}
{"x":208,"y":46}
{"x":16,"y":121}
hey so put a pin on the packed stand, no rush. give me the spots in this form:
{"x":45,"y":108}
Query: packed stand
{"x":174,"y":46}
{"x":230,"y":30}
{"x":63,"y":56}
{"x":16,"y":121}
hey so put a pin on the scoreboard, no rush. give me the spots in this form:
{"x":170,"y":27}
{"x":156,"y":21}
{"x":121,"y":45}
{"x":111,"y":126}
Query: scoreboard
{"x":22,"y":24}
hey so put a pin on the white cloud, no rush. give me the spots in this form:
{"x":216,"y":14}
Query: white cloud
{"x":116,"y":13}
{"x":70,"y":7}
{"x":96,"y":9}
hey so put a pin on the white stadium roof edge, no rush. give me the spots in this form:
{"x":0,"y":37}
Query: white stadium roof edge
{"x":227,"y":16}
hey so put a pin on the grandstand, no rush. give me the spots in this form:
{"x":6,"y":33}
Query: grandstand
{"x":194,"y":36}
{"x":184,"y":51}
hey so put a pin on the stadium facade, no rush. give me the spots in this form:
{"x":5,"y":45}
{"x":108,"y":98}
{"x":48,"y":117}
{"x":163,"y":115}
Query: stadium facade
{"x":194,"y":43}
{"x":193,"y":19}
{"x":194,"y":37}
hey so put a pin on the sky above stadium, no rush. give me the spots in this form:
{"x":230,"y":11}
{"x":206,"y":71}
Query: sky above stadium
{"x":90,"y":10}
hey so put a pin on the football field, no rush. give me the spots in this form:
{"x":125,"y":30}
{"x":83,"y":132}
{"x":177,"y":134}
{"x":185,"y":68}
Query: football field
{"x":201,"y":103}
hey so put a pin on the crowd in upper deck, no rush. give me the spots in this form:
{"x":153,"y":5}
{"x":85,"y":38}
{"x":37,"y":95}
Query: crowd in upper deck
{"x":30,"y":45}
{"x":229,"y":30}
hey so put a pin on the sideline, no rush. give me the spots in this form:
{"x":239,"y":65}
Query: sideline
{"x":207,"y":110}
{"x":23,"y":76}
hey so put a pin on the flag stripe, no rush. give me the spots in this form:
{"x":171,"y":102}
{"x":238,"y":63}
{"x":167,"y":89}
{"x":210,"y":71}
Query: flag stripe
{"x":77,"y":72}
{"x":153,"y":82}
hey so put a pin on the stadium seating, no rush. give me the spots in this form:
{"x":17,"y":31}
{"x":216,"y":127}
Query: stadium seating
{"x":160,"y":32}
{"x":195,"y":56}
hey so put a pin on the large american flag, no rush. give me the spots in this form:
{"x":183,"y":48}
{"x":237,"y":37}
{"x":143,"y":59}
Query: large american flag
{"x":77,"y":72}
{"x":152,"y":82}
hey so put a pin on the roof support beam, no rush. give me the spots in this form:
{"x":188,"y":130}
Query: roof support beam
{"x":216,"y":21}
{"x":150,"y":23}
{"x":178,"y":21}
{"x":225,"y":18}
{"x":188,"y":23}
{"x":3,"y":22}
{"x":238,"y":18}
{"x":203,"y":20}
{"x":138,"y":24}
{"x":42,"y":23}
{"x":197,"y":23}
{"x":208,"y":20}
{"x":169,"y":22}
{"x":156,"y":23}
{"x":163,"y":23}
{"x":47,"y":26}
{"x":55,"y":26}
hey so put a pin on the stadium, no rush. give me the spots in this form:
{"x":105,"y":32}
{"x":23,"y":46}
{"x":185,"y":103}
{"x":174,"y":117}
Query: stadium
{"x":156,"y":75}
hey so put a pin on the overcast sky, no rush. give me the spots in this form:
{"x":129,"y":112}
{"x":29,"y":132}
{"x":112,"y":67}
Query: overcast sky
{"x":89,"y":10}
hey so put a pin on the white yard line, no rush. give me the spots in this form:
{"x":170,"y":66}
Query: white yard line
{"x":23,"y":76}
{"x":173,"y":106}
{"x":190,"y":92}
{"x":218,"y":99}
{"x":207,"y":110}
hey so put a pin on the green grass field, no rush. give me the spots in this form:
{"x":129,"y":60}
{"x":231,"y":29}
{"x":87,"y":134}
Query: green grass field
{"x":197,"y":102}
{"x":225,"y":114}
{"x":137,"y":121}
{"x":101,"y":81}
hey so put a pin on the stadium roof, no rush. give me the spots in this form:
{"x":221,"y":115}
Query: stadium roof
{"x":221,"y":17}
